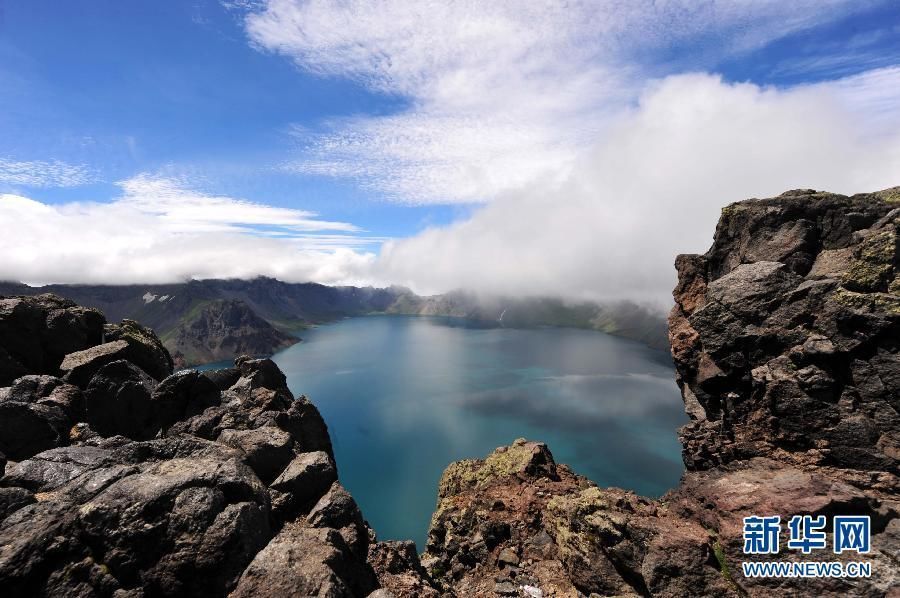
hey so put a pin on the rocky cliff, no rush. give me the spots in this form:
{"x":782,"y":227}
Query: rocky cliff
{"x":785,"y":336}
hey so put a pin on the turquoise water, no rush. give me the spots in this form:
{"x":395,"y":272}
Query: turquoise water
{"x":405,"y":396}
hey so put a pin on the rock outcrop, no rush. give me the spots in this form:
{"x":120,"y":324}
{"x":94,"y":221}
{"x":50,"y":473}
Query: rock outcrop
{"x":218,"y":330}
{"x":122,"y":478}
{"x":35,"y":334}
{"x":785,"y":336}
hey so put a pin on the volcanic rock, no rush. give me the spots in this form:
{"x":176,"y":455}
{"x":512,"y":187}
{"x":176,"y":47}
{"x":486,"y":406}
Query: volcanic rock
{"x":37,"y":332}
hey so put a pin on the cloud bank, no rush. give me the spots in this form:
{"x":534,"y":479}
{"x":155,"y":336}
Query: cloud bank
{"x":653,"y":188}
{"x":161,"y":231}
{"x":597,"y":164}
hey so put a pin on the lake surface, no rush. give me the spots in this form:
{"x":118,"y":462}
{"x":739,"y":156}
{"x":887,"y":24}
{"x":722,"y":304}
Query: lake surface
{"x":405,"y":396}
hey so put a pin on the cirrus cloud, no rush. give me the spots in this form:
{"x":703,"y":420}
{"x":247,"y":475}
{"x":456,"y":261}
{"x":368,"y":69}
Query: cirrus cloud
{"x":500,"y":95}
{"x":42,"y":173}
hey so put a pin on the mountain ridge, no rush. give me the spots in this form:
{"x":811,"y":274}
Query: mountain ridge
{"x":280,"y":310}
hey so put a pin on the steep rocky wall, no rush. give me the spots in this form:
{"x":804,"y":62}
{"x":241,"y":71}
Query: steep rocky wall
{"x":221,"y":329}
{"x":785,"y":334}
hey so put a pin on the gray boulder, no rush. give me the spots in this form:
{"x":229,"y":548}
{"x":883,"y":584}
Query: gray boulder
{"x":28,"y":428}
{"x":51,"y":469}
{"x":48,"y":390}
{"x":183,"y":394}
{"x":118,"y":401}
{"x":337,"y":509}
{"x":173,"y":527}
{"x":79,"y":367}
{"x":301,"y":562}
{"x":144,"y":348}
{"x":267,"y":450}
{"x":302,"y":483}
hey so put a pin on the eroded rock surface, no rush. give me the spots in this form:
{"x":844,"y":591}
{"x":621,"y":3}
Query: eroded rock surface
{"x":37,"y":332}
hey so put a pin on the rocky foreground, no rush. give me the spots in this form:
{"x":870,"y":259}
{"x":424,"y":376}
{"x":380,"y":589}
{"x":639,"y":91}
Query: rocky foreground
{"x":122,"y":478}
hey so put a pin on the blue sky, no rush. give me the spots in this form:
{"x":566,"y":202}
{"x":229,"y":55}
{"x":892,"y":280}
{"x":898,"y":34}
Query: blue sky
{"x":124,"y":88}
{"x":411,"y":125}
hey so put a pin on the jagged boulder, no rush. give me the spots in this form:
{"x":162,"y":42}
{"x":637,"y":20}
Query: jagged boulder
{"x":304,"y":561}
{"x":118,"y":400}
{"x":268,"y":450}
{"x":304,"y":481}
{"x":51,"y":469}
{"x":184,"y":394}
{"x":29,"y":428}
{"x":336,"y":509}
{"x":78,"y":368}
{"x":145,"y":350}
{"x":37,"y":332}
{"x":182,"y":525}
{"x":47,"y":390}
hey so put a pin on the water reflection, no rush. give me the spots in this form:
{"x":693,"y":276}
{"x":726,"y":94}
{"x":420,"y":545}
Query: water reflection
{"x":403,"y":397}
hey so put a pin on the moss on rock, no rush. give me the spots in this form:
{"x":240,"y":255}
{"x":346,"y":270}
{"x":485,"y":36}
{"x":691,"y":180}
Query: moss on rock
{"x":522,"y":457}
{"x":868,"y":302}
{"x":873,"y":267}
{"x":891,"y":195}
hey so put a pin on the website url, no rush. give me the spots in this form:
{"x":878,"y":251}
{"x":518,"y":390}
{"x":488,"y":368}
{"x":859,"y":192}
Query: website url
{"x":807,"y":569}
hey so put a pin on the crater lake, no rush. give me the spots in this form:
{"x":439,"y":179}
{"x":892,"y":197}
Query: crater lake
{"x":405,"y":396}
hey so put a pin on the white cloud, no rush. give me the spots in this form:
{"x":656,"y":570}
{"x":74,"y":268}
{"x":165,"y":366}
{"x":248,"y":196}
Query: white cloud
{"x":599,"y":162}
{"x":501,"y":94}
{"x":161,"y":231}
{"x":184,"y":210}
{"x":654,"y":185}
{"x":39,"y":173}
